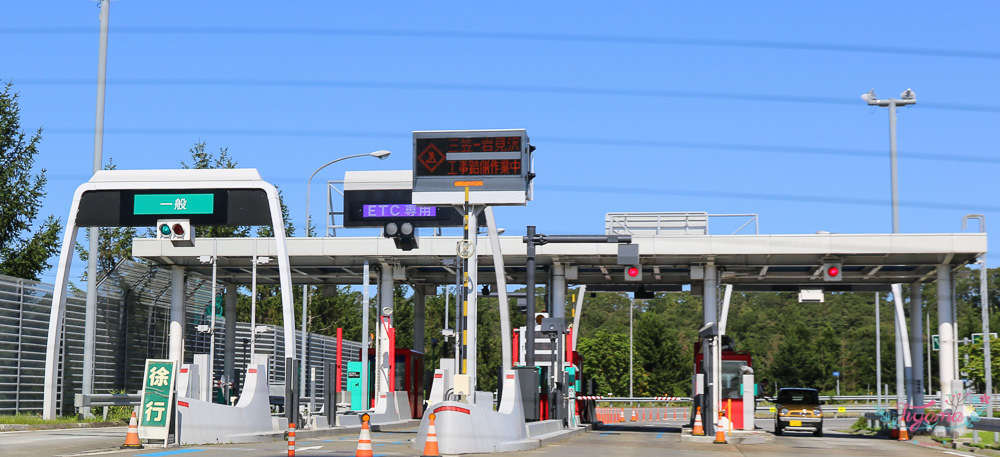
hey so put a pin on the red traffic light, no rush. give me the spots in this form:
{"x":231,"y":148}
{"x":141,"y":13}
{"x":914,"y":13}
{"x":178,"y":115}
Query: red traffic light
{"x":178,"y":229}
{"x":632,"y":272}
{"x":833,"y":271}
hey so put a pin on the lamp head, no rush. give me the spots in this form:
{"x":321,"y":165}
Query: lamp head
{"x":381,"y":154}
{"x":869,"y":97}
{"x":908,"y":95}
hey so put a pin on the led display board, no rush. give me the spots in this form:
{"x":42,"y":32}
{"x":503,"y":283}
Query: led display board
{"x":137,"y":208}
{"x":494,"y":165}
{"x":373,"y":208}
{"x":474,"y":156}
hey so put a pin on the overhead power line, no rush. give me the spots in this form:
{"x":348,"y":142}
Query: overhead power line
{"x":757,"y":196}
{"x":514,"y":36}
{"x":542,"y":139}
{"x":557,"y":90}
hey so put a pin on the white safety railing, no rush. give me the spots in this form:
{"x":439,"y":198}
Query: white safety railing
{"x":675,"y":223}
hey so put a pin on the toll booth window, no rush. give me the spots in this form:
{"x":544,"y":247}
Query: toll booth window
{"x":731,"y":378}
{"x":401,"y":373}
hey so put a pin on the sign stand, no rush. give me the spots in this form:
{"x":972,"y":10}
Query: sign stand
{"x":156,"y":406}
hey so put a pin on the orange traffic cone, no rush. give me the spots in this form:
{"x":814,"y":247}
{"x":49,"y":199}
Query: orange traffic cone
{"x":132,"y":438}
{"x":720,"y":435}
{"x":621,"y":417}
{"x":431,"y":444}
{"x":903,"y":434}
{"x":365,"y":439}
{"x":699,"y":429}
{"x":633,"y":415}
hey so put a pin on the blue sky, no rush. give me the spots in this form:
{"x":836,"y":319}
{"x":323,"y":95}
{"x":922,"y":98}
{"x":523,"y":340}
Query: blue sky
{"x":724,"y":107}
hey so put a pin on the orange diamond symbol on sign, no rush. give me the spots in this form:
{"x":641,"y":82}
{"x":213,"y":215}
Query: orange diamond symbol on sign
{"x":431,"y":158}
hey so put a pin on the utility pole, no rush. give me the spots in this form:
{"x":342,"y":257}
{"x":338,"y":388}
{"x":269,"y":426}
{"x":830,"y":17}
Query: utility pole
{"x":90,"y":316}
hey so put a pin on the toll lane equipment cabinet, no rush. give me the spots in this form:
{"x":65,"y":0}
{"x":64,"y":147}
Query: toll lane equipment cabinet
{"x":354,"y":385}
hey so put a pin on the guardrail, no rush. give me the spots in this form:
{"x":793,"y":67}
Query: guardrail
{"x":633,"y":399}
{"x":106,"y":400}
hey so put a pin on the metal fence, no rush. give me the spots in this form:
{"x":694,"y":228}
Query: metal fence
{"x":133,"y":311}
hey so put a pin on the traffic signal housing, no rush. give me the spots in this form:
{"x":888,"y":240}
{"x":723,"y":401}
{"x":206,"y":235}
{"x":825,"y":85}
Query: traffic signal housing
{"x":833,"y":271}
{"x":178,"y":231}
{"x":403,"y":234}
{"x":633,"y":273}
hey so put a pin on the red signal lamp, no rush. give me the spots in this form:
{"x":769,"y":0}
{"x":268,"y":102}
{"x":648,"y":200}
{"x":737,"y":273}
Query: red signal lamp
{"x":633,"y":273}
{"x":832,"y":271}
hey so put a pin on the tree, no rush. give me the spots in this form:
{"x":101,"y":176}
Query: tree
{"x":605,"y":357}
{"x":24,"y":250}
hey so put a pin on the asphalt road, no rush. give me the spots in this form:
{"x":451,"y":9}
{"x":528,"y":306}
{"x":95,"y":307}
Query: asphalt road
{"x":617,"y":440}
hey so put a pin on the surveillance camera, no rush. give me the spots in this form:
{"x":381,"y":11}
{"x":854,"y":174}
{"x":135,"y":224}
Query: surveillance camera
{"x":908,"y":95}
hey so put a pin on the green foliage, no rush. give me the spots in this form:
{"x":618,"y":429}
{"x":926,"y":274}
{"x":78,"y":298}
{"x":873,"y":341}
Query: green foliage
{"x":24,"y":246}
{"x":605,"y":358}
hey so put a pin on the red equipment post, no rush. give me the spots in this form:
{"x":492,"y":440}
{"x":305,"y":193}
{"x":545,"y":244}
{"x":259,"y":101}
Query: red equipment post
{"x":392,"y":357}
{"x":517,"y":347}
{"x":340,"y":345}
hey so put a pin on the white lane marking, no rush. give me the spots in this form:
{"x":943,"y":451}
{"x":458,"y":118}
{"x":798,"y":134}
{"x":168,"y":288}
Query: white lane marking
{"x":957,"y":453}
{"x":310,"y":448}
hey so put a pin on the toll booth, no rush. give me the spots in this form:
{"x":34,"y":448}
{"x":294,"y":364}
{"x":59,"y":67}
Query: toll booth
{"x":734,"y":365}
{"x":409,"y":378}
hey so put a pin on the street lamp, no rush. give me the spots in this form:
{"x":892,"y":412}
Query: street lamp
{"x":381,"y":154}
{"x":906,"y":98}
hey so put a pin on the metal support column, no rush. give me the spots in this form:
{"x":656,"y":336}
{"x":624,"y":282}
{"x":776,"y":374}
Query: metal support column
{"x":472,"y":310}
{"x":529,"y":299}
{"x":365,"y":307}
{"x":419,"y":309}
{"x":383,"y":364}
{"x":558,"y":310}
{"x":916,"y":345}
{"x":710,"y":315}
{"x":946,"y":360}
{"x":176,"y":350}
{"x":229,"y":338}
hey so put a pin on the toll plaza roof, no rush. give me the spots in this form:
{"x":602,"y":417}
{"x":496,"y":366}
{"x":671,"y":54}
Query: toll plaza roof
{"x":870,"y":262}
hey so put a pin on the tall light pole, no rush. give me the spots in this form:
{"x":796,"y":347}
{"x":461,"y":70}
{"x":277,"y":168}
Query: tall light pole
{"x":906,"y":98}
{"x":381,"y":155}
{"x":90,"y":312}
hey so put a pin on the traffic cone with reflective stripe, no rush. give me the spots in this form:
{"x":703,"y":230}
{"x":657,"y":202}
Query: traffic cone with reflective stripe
{"x":633,"y":415}
{"x":720,"y":434}
{"x":903,"y":434}
{"x":621,"y":418}
{"x":365,"y":439}
{"x":431,"y":444}
{"x":698,"y":429}
{"x":132,"y":438}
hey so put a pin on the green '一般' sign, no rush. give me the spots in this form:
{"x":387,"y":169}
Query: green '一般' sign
{"x":173,"y":204}
{"x":157,"y":399}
